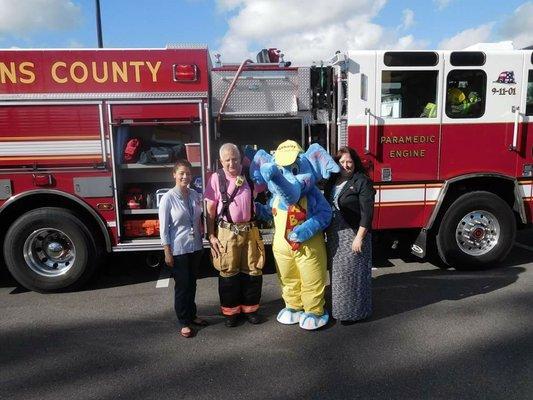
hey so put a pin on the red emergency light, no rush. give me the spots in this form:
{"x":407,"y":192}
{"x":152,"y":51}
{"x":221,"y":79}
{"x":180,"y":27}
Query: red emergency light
{"x":185,"y":72}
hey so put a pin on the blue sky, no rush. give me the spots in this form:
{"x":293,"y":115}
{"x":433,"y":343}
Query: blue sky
{"x":304,"y":29}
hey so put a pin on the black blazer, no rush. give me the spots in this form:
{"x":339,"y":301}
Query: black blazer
{"x":356,"y":200}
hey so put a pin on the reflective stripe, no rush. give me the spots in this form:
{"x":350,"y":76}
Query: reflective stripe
{"x":231,"y":310}
{"x":407,"y":203}
{"x":432,"y":194}
{"x":46,"y":138}
{"x":525,"y":190}
{"x":407,"y":195}
{"x":399,"y":195}
{"x":62,"y":157}
{"x":249,"y":309}
{"x":50,"y":148}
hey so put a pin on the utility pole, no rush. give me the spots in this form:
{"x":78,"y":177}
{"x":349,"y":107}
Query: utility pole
{"x":99,"y":25}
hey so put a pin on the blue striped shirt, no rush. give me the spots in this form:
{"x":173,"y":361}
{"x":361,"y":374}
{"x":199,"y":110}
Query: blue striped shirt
{"x":175,"y":221}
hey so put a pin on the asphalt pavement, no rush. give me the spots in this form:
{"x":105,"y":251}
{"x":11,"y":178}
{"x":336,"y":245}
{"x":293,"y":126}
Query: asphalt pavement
{"x":434,"y":334}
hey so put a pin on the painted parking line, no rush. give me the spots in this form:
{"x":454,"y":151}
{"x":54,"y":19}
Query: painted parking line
{"x":164,"y":280}
{"x":524,"y":246}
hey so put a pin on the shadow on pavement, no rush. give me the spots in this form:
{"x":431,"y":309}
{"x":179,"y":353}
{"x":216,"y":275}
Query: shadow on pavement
{"x":397,"y":293}
{"x":121,"y":269}
{"x":131,"y":268}
{"x":143,"y":358}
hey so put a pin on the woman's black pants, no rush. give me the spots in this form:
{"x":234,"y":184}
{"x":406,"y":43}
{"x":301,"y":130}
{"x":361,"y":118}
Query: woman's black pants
{"x":184,"y":273}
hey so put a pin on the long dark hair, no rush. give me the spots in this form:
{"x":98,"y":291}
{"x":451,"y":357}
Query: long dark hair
{"x":358,"y":165}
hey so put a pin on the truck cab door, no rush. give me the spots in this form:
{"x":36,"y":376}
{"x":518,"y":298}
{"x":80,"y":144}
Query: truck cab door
{"x":399,"y":133}
{"x":481,"y":96}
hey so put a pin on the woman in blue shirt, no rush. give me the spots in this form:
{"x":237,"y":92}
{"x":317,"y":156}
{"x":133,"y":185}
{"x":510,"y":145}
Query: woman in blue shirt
{"x":180,"y":211}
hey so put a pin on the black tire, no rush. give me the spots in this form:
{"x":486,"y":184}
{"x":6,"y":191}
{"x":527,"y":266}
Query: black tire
{"x":470,"y":205}
{"x":57,"y":225}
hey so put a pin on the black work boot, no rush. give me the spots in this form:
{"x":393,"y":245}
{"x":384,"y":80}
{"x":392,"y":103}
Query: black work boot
{"x":231,"y":321}
{"x":253,"y":318}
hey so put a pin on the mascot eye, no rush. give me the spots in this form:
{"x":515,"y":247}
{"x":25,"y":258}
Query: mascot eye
{"x":295,"y":169}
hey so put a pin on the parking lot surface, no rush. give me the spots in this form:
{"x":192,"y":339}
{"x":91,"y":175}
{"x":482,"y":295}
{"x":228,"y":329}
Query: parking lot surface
{"x":434,"y":334}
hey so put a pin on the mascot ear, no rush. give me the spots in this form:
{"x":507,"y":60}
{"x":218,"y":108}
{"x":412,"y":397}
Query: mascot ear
{"x":248,"y":155}
{"x":322,"y":163}
{"x":260,"y":158}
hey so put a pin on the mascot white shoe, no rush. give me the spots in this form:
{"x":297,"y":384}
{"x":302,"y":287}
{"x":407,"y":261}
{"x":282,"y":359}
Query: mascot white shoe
{"x":289,"y":316}
{"x":301,"y":214}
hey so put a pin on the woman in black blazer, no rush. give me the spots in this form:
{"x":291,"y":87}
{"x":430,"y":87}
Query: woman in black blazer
{"x":349,"y":243}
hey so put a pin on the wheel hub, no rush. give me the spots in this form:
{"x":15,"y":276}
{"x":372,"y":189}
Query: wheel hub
{"x":477,"y":233}
{"x":55,"y":250}
{"x":49,"y":252}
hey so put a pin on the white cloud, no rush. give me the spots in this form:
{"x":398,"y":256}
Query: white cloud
{"x":519,"y":26}
{"x":408,"y":18}
{"x":441,"y":4}
{"x":307,"y":30}
{"x":468,"y":37}
{"x":409,"y":43}
{"x":75,"y":44}
{"x":19,"y":17}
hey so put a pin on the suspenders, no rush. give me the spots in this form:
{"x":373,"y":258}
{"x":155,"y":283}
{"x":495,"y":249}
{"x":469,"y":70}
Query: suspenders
{"x":227,"y":200}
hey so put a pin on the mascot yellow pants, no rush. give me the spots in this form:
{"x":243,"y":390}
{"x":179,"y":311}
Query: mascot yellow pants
{"x":302,"y":272}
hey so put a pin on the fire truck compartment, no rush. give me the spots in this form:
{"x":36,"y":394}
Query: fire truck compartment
{"x":146,"y":173}
{"x":264,"y":134}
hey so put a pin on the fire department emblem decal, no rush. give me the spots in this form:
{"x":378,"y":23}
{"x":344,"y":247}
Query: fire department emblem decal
{"x":506,"y":77}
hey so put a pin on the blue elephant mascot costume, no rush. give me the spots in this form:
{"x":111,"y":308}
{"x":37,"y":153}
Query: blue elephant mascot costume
{"x":301,"y":214}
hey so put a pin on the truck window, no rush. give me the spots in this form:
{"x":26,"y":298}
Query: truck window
{"x":465,"y":93}
{"x":409,"y":94}
{"x":410,"y":58}
{"x":467,"y":58}
{"x":529,"y":98}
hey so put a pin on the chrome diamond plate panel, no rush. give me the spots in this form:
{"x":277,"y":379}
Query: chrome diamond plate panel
{"x":257,"y":92}
{"x":304,"y":88}
{"x":322,"y":116}
{"x":343,"y":133}
{"x":187,"y":46}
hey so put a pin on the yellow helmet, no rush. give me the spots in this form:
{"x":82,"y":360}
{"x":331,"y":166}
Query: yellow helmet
{"x":456,"y":96}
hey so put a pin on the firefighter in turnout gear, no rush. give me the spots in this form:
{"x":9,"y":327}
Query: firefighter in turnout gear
{"x":236,"y":245}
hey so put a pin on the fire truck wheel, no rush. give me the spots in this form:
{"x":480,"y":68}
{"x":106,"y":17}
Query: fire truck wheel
{"x":50,"y":249}
{"x":476,"y":232}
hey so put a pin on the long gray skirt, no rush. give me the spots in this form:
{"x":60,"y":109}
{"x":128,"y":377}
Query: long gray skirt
{"x":351,"y":273}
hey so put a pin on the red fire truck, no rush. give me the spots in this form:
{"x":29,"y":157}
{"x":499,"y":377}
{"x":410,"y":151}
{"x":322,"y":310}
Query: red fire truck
{"x":87,"y":139}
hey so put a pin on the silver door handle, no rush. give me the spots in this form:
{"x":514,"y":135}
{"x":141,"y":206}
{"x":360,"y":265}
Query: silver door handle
{"x":367,"y":140}
{"x":516,"y":111}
